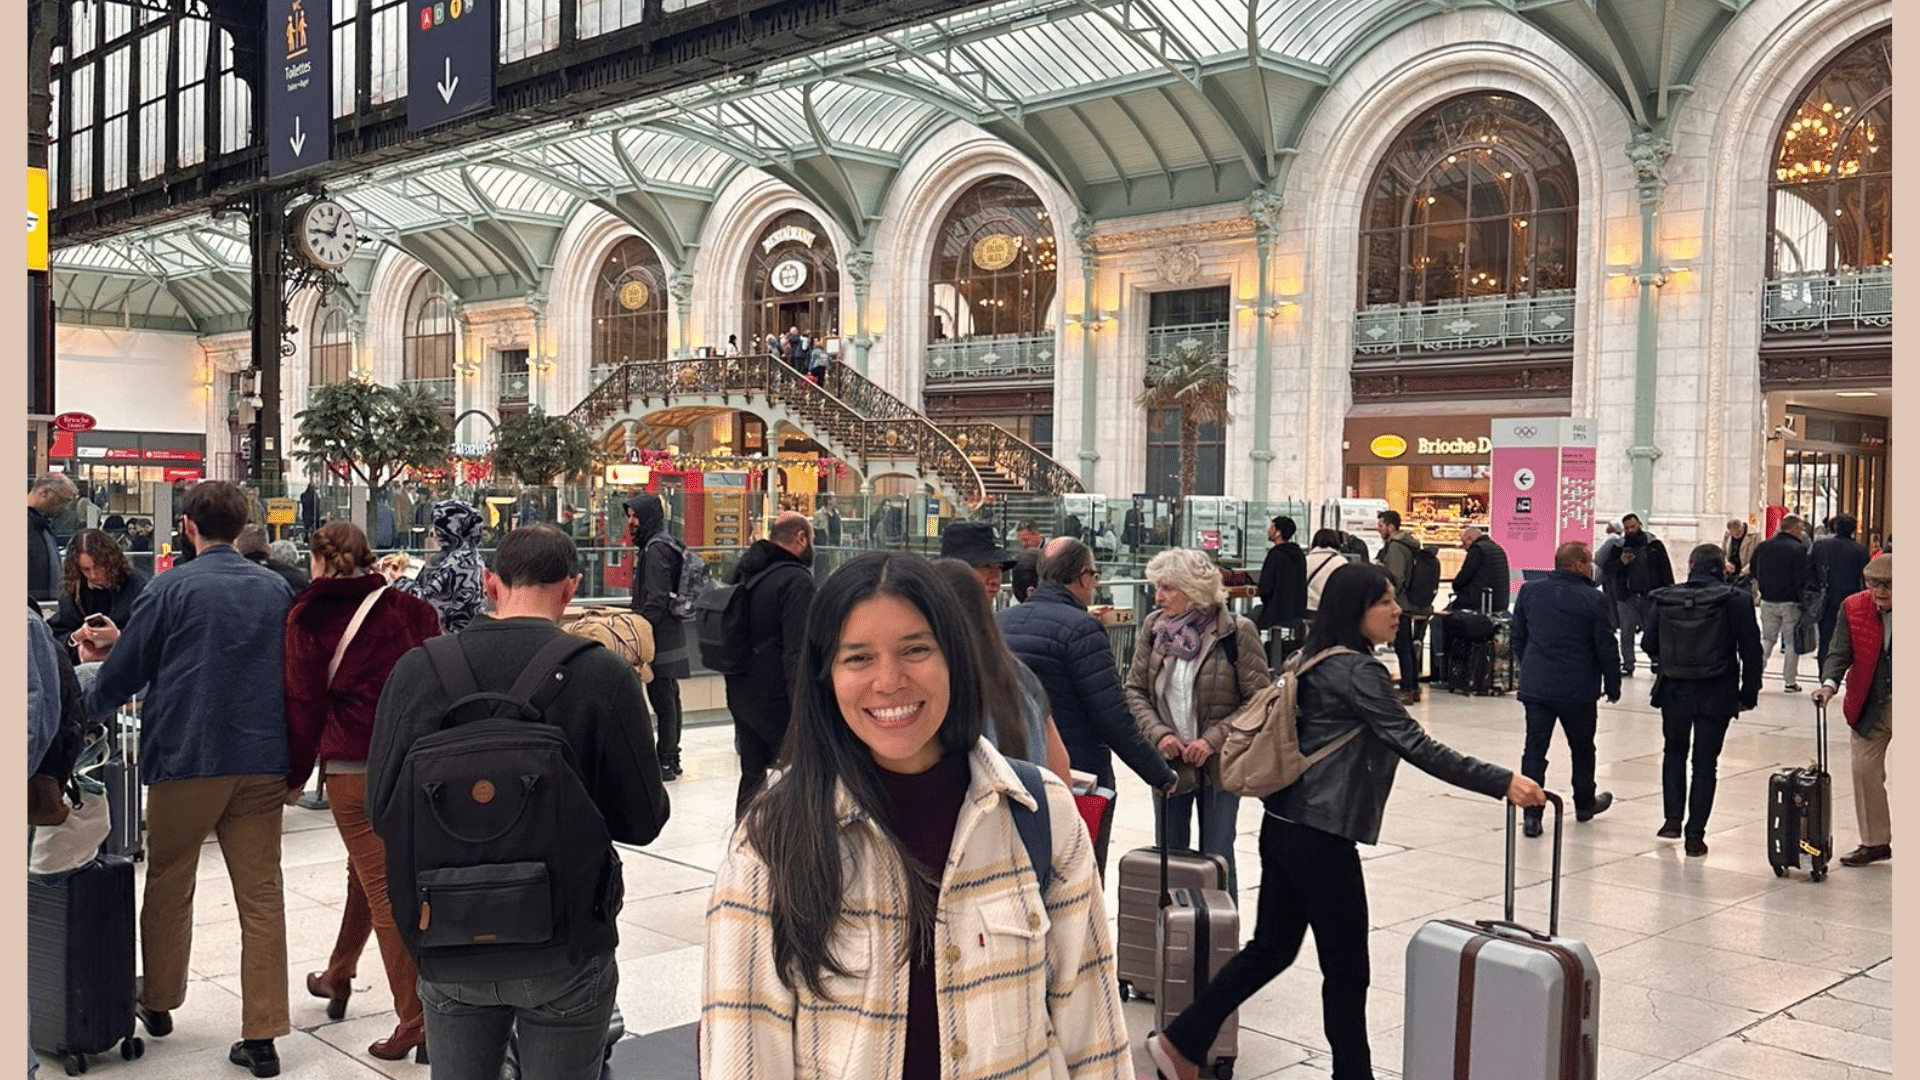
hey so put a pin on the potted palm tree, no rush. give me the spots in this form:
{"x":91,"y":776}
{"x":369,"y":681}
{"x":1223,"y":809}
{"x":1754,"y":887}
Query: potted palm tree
{"x":1194,"y":379}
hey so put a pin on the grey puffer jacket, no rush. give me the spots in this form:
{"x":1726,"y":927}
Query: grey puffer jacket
{"x":1346,"y":794}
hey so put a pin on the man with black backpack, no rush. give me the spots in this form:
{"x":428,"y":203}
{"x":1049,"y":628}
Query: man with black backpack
{"x":753,"y":630}
{"x":506,"y":761}
{"x":664,"y":598}
{"x":1705,"y":647}
{"x":1415,"y":572}
{"x":1630,"y":571}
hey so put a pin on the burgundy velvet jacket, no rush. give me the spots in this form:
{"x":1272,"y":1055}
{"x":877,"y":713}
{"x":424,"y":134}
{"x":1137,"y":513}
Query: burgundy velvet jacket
{"x":336,"y":723}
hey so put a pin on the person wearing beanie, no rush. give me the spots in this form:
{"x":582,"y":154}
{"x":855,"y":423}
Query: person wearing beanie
{"x":1860,"y":654}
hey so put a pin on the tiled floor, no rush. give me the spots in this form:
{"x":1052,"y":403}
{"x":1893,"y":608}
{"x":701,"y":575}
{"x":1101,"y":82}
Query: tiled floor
{"x":1711,"y":968}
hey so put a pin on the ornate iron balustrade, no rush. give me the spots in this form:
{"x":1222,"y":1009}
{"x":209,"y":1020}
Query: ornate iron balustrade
{"x":1015,"y":457}
{"x":439,"y":388}
{"x":1161,"y":340}
{"x":513,"y":386}
{"x":897,"y":431}
{"x":1001,"y":355}
{"x":1495,"y":323}
{"x":1824,"y":302}
{"x":600,"y":373}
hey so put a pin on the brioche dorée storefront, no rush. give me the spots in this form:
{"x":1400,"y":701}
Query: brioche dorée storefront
{"x":1435,"y":470}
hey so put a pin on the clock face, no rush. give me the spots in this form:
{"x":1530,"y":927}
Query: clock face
{"x":327,"y":233}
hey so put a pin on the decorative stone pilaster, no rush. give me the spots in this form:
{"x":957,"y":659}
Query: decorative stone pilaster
{"x":1264,"y":207}
{"x":1648,"y":151}
{"x":680,"y":287}
{"x":1083,"y":235}
{"x":858,"y":266}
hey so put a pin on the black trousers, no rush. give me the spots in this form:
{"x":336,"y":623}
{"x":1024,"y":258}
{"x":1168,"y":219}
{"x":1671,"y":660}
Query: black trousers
{"x":1403,"y":650}
{"x":1578,"y":720}
{"x":664,"y":696}
{"x":757,"y":736}
{"x":1707,"y":735}
{"x":1828,"y":616}
{"x":1308,"y":880}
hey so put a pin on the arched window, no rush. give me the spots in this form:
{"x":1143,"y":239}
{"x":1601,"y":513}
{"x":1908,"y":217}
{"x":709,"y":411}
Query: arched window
{"x":1476,"y":198}
{"x":793,"y":280}
{"x":1832,"y":182}
{"x":993,"y":266}
{"x":629,"y":308}
{"x":428,"y":337}
{"x":331,"y":355}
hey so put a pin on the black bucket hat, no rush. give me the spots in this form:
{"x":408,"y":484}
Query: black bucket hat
{"x":974,"y":543}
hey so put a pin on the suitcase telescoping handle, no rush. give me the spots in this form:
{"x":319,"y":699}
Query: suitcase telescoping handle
{"x":1553,"y":910}
{"x":1160,"y":841}
{"x":1820,"y":735}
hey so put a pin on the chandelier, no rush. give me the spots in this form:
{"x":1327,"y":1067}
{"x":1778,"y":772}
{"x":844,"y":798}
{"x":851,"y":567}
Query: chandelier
{"x":1810,"y":147}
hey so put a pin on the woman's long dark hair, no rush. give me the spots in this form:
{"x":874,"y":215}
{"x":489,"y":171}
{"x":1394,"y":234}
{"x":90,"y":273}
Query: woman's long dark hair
{"x":1344,"y":600}
{"x":999,"y":686}
{"x":794,"y":824}
{"x":101,"y":548}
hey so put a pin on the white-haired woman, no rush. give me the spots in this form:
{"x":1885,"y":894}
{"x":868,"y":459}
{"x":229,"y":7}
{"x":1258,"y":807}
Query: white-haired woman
{"x":1195,"y":665}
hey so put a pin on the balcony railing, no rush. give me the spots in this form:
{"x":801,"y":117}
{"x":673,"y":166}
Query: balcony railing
{"x":440,"y":388}
{"x":600,"y":373}
{"x":513,"y":386}
{"x":1162,"y":340}
{"x":1825,"y":302}
{"x":1495,"y":323}
{"x":1000,"y":355}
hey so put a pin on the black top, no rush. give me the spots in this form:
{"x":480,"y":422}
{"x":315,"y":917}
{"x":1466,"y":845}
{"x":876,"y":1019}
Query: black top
{"x":1283,"y":585}
{"x":925,"y":811}
{"x":1780,"y":567}
{"x":115,"y":603}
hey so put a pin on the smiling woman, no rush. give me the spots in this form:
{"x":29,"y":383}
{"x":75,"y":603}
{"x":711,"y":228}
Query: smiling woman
{"x":888,"y":868}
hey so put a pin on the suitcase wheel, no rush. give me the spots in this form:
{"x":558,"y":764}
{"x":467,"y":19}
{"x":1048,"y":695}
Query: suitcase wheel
{"x":76,"y":1064}
{"x":1818,"y":875}
{"x":132,"y":1048}
{"x":1223,"y":1069}
{"x":1779,"y":871}
{"x":1126,"y":990}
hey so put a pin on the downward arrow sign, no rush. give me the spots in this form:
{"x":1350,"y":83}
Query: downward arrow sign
{"x":297,"y":140}
{"x":447,"y":84}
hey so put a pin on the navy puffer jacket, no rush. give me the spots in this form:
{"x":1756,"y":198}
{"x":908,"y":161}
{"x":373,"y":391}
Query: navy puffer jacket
{"x":1053,"y":634}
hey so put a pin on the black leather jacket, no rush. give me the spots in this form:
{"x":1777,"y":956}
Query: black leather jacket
{"x":1346,"y":794}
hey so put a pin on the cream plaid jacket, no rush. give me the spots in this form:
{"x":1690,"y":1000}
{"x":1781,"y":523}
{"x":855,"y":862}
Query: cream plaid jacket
{"x":1027,"y":989}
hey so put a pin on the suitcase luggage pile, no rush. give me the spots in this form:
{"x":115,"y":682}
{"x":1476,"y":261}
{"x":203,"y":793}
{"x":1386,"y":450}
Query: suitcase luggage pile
{"x":1136,"y":944}
{"x":80,"y":962}
{"x":1494,"y":1000}
{"x":1800,"y":812}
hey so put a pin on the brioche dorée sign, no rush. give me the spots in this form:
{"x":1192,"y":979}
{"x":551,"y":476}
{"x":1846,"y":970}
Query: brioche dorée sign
{"x":74,"y":421}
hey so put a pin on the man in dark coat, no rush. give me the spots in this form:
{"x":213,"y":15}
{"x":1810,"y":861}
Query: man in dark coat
{"x":656,"y":576}
{"x":1053,"y":634}
{"x":1283,"y":592}
{"x":252,"y":543}
{"x":1697,"y":705}
{"x":1780,"y":567}
{"x":1563,"y":642}
{"x":1838,"y":563}
{"x":1633,"y":568}
{"x":50,"y":497}
{"x":1484,"y":582}
{"x":779,"y":592}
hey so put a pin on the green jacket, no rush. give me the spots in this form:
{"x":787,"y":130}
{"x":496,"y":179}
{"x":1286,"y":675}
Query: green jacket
{"x":1396,"y":558}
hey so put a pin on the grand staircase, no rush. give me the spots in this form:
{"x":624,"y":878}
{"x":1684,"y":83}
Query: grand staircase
{"x":853,"y":417}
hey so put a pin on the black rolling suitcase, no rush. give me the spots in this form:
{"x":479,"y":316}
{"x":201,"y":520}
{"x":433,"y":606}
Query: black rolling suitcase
{"x":121,"y":777}
{"x":1800,"y":812}
{"x":80,"y":962}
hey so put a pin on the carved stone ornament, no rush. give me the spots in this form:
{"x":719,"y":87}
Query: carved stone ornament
{"x":680,"y":287}
{"x":1083,"y":227}
{"x":1648,"y":152}
{"x":1235,"y":228}
{"x":1177,"y":265}
{"x":230,"y":363}
{"x":858,"y":266}
{"x":1264,"y":207}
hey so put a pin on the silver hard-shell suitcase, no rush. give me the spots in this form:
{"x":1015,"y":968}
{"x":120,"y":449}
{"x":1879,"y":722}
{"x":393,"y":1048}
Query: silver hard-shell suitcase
{"x":1137,"y":939}
{"x":1494,"y":1000}
{"x":1199,"y":933}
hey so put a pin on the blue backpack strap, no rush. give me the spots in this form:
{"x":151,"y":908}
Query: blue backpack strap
{"x":1035,"y":826}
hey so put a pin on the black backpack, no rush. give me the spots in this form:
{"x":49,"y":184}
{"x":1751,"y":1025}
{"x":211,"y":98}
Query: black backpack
{"x":691,"y":584}
{"x":1423,"y":580}
{"x":1694,"y":639}
{"x":499,"y":862}
{"x":722,"y":623}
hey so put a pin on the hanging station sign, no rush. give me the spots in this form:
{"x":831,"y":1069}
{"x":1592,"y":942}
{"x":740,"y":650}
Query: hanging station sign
{"x":450,"y":59}
{"x":299,"y":85}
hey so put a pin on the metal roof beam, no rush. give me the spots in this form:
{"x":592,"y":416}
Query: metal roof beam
{"x":1153,"y":144}
{"x":504,"y":239}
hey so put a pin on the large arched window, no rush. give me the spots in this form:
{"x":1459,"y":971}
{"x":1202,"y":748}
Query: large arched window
{"x":793,"y":280}
{"x":1832,"y":182}
{"x":428,"y":337}
{"x":331,"y":354}
{"x":629,"y":308}
{"x":993,"y":265}
{"x":1476,"y":198}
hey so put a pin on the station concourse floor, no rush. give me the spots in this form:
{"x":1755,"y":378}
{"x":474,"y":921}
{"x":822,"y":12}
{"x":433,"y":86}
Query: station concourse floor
{"x":1711,"y":967}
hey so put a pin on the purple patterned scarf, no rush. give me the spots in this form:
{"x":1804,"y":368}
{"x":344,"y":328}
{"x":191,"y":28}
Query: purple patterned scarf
{"x":1179,"y":636}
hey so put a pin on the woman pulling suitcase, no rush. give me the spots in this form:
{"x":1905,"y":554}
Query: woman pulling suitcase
{"x":1310,"y":866}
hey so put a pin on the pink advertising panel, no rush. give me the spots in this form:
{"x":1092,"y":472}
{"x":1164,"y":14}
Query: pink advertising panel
{"x":1542,"y":491}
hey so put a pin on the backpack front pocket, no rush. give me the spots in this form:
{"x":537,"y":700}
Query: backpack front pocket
{"x":492,"y":904}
